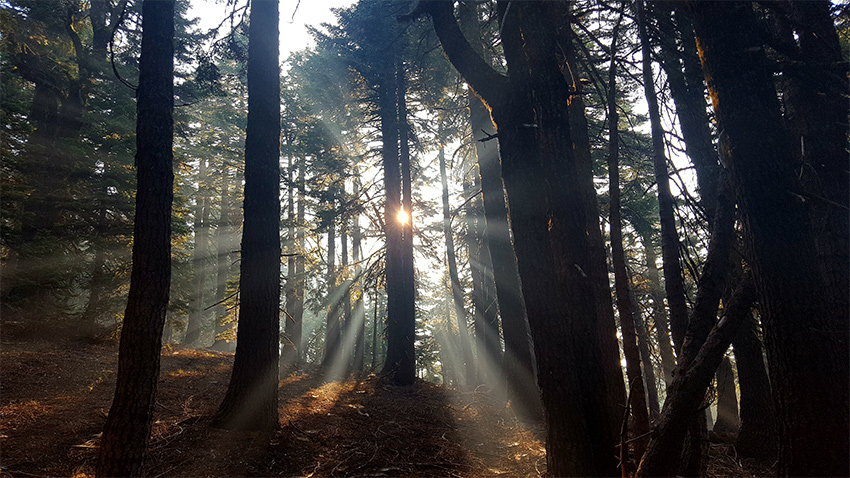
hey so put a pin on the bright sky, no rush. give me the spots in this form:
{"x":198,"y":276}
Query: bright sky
{"x":293,"y":29}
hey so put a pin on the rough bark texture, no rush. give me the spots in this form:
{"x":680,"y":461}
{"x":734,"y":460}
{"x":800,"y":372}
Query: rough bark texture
{"x":757,"y":435}
{"x":673,"y":279}
{"x":128,"y":425}
{"x":251,"y":399}
{"x":811,"y":381}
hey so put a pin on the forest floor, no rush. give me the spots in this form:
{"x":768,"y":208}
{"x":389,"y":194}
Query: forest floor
{"x":56,"y":394}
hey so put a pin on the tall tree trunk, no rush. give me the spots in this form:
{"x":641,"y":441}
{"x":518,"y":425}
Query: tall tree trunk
{"x":813,"y":431}
{"x":467,"y":368}
{"x":726,"y":424}
{"x":297,"y":311}
{"x":392,"y":227}
{"x":199,"y":259}
{"x":334,"y":297}
{"x":659,"y":312}
{"x":673,"y":279}
{"x":346,"y":339}
{"x":687,"y":89}
{"x":251,"y":399}
{"x":550,"y":230}
{"x":483,"y":313}
{"x":128,"y":425}
{"x":288,"y":349}
{"x":224,"y":245}
{"x":518,"y":358}
{"x":645,"y":359}
{"x":757,"y":435}
{"x":400,"y":367}
{"x":618,"y":259}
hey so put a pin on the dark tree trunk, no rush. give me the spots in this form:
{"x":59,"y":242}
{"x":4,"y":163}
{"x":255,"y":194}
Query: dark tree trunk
{"x":686,"y":394}
{"x":673,"y":279}
{"x":618,"y":259}
{"x":251,"y":399}
{"x":687,"y":89}
{"x":726,"y":424}
{"x":518,"y":357}
{"x":791,"y":287}
{"x":659,"y":312}
{"x":346,"y":340}
{"x":615,"y":395}
{"x":757,"y":435}
{"x":392,"y":227}
{"x":646,"y":360}
{"x":128,"y":425}
{"x":548,"y":218}
{"x":467,"y":368}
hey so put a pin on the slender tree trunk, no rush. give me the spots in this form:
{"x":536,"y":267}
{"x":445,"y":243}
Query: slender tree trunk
{"x":359,"y":305}
{"x":300,"y":268}
{"x":288,"y":350}
{"x":199,"y":259}
{"x":757,"y":435}
{"x":646,"y":360}
{"x":251,"y":399}
{"x":631,"y":350}
{"x":467,"y":369}
{"x":659,"y":312}
{"x":224,"y":246}
{"x":128,"y":425}
{"x":334,"y":297}
{"x":484,"y":310}
{"x":673,"y":279}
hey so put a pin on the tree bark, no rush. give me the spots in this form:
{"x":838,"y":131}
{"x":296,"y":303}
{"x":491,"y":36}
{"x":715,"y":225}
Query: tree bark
{"x":813,"y":430}
{"x":128,"y":425}
{"x":400,"y":366}
{"x":251,"y":399}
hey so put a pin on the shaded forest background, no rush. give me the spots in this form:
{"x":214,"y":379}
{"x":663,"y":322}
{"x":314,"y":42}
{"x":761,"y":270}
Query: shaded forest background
{"x":604,"y":229}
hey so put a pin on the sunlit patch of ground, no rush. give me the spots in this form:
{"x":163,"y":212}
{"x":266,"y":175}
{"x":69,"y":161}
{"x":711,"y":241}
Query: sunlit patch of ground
{"x":55,"y":397}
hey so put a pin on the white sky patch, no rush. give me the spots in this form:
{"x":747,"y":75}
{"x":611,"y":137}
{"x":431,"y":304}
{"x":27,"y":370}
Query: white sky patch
{"x":294,"y":35}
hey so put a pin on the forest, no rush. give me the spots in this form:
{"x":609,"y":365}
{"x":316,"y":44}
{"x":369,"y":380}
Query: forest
{"x":449,"y":238}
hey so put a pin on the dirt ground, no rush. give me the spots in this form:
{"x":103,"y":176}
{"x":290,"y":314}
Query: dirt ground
{"x":55,"y":395}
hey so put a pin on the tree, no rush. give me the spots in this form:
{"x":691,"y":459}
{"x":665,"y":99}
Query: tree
{"x":251,"y":399}
{"x":547,"y":207}
{"x":130,"y":418}
{"x":790,"y":283}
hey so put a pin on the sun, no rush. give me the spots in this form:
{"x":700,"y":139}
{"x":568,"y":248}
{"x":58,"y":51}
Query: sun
{"x":402,"y":216}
